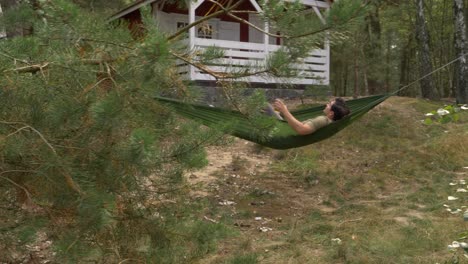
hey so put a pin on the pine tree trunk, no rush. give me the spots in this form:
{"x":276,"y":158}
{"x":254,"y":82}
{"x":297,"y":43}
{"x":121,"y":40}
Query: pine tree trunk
{"x":461,"y":49}
{"x":373,"y":52}
{"x":364,"y":73}
{"x":7,"y":5}
{"x":425,"y":67}
{"x":345,"y":80}
{"x":387,"y":65}
{"x":17,"y":30}
{"x":356,"y":76}
{"x":404,"y":67}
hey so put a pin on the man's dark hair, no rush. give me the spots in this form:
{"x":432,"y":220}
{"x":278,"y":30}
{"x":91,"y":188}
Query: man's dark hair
{"x":339,"y":109}
{"x":340,"y":101}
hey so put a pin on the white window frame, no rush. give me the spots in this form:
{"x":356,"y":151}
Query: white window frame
{"x":180,"y":18}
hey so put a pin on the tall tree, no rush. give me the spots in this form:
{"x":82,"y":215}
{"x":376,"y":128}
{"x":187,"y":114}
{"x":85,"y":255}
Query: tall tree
{"x":373,"y":50}
{"x":425,"y":63}
{"x":461,"y":50}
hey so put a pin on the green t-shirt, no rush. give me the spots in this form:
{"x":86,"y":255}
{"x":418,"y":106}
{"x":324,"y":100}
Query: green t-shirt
{"x":318,"y":122}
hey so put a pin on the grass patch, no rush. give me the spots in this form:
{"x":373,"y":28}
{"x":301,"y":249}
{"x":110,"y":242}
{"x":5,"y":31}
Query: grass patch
{"x":244,"y":259}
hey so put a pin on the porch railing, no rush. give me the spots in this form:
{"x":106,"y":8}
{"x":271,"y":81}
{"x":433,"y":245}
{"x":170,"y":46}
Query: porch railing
{"x":241,"y":56}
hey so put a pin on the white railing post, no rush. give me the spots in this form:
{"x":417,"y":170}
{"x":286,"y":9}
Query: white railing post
{"x":327,"y":61}
{"x":2,"y":29}
{"x":266,"y":39}
{"x":191,"y":7}
{"x":328,"y":53}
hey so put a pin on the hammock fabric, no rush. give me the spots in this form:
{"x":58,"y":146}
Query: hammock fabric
{"x":282,"y":135}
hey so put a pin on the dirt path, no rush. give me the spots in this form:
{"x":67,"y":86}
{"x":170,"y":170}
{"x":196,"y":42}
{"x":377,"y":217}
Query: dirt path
{"x":229,"y":160}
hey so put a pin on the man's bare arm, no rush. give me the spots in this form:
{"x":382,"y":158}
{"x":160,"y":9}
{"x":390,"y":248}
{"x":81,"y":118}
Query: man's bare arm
{"x":298,"y":126}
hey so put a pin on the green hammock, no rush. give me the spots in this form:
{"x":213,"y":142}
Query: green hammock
{"x":282,"y":136}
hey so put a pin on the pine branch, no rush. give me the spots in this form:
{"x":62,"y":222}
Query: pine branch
{"x":91,"y":87}
{"x":224,"y":10}
{"x":215,"y":74}
{"x":30,"y":69}
{"x":33,"y":129}
{"x":13,"y":58}
{"x":245,"y":12}
{"x":68,"y":179}
{"x":254,"y":26}
{"x":106,"y":42}
{"x":40,"y":67}
{"x":28,"y":194}
{"x":354,"y":16}
{"x":230,"y":13}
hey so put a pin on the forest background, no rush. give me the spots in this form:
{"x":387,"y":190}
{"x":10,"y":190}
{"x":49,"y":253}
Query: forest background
{"x":80,"y":134}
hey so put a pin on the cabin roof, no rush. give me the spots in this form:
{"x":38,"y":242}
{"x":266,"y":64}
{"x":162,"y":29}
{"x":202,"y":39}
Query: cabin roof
{"x":130,"y":8}
{"x":139,"y":3}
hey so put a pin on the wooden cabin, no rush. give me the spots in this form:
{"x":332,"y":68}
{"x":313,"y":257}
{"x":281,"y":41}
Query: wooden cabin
{"x":242,"y":44}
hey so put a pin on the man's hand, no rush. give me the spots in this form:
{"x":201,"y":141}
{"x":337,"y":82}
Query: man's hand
{"x":280,"y":106}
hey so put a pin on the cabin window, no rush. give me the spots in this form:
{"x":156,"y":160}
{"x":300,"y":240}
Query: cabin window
{"x":205,"y":31}
{"x":181,"y":25}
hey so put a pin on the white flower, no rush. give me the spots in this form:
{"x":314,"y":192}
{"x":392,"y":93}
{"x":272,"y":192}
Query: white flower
{"x":461,"y":190}
{"x":336,"y":240}
{"x":462,"y":182}
{"x":464,"y":245}
{"x":464,"y":107}
{"x":455,"y":212}
{"x":445,"y":205}
{"x":265,"y":229}
{"x":429,"y":114}
{"x":452,"y":198}
{"x":454,"y":245}
{"x":227,"y":203}
{"x":442,"y":112}
{"x":452,"y":183}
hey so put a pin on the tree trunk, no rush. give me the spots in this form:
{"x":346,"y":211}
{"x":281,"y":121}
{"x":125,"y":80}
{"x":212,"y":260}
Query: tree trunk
{"x":10,"y":31}
{"x":405,"y":67}
{"x":425,"y":67}
{"x":373,"y":51}
{"x":461,"y":49}
{"x":356,"y":75}
{"x":345,"y":80}
{"x":17,"y":30}
{"x":364,"y":73}
{"x":387,"y":64}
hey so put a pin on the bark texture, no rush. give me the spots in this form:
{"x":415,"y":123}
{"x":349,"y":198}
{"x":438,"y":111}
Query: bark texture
{"x":461,"y":50}
{"x":425,"y":64}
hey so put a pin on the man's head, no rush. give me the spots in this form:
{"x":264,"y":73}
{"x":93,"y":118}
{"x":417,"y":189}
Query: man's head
{"x":336,"y":109}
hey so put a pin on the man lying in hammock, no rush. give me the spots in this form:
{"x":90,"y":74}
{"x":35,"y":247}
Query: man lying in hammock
{"x":334,"y":110}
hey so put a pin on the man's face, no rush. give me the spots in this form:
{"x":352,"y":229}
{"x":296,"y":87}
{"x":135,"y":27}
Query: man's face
{"x":327,"y":109}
